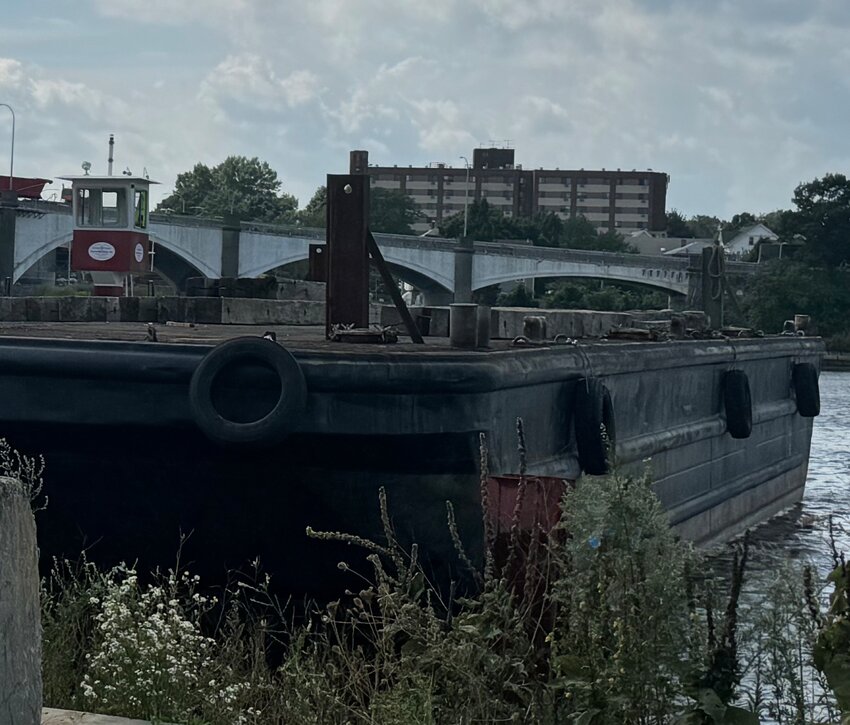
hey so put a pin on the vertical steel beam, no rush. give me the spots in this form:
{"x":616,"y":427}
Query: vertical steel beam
{"x":347,"y":250}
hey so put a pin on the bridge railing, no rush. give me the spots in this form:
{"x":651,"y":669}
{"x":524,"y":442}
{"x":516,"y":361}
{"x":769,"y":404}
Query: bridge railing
{"x":583,"y":256}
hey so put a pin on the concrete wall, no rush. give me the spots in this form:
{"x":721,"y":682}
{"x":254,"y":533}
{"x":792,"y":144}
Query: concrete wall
{"x":201,"y":310}
{"x":20,"y":615}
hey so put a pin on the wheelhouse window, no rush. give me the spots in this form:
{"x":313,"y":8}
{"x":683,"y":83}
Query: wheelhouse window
{"x":141,"y":214}
{"x":101,"y":207}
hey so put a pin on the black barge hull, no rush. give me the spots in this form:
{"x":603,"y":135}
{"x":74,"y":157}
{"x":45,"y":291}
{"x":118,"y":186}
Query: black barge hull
{"x":129,"y":470}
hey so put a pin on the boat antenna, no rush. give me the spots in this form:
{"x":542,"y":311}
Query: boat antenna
{"x":111,"y":147}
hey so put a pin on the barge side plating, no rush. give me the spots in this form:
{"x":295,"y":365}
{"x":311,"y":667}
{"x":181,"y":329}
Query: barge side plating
{"x":128,"y":469}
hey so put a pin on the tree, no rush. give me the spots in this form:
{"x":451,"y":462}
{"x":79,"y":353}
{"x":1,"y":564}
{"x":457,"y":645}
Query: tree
{"x":738,"y":222}
{"x":314,"y":214}
{"x":392,"y":212}
{"x":782,"y":288}
{"x":519,"y":296}
{"x":704,"y":226}
{"x":677,"y":225}
{"x":248,"y":189}
{"x":483,"y":223}
{"x":822,"y":218}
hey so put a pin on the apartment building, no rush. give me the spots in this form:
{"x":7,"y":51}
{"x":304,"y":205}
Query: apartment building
{"x":625,"y":201}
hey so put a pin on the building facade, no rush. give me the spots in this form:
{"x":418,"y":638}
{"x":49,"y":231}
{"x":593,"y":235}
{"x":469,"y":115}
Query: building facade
{"x":625,"y":201}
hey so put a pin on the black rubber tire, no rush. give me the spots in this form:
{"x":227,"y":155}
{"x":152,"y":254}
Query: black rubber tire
{"x":738,"y":404}
{"x":278,"y":422}
{"x":806,"y":389}
{"x":592,"y":413}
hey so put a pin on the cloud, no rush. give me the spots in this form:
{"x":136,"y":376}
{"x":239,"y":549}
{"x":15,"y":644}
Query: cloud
{"x":11,"y":73}
{"x":250,"y":80}
{"x":738,"y":102}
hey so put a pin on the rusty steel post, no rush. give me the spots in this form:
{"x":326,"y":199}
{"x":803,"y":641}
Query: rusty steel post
{"x":347,"y":251}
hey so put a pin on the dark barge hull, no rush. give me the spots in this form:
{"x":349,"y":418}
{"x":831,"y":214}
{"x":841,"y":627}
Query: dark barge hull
{"x":128,"y":470}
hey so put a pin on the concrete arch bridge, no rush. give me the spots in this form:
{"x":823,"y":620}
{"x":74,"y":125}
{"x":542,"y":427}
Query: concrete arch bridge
{"x":443,"y":269}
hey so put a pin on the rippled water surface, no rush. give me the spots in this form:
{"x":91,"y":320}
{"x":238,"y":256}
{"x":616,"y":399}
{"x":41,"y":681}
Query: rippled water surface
{"x":803,"y":532}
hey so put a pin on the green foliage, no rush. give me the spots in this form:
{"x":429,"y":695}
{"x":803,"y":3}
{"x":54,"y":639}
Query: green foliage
{"x":677,"y":225}
{"x":248,"y":189}
{"x":822,"y":217}
{"x":392,"y":211}
{"x":737,"y":223}
{"x":624,"y":616}
{"x":782,"y":288}
{"x":607,"y":619}
{"x":612,"y":297}
{"x":315,"y":213}
{"x":519,"y":296}
{"x":487,"y":224}
{"x":484,"y":223}
{"x":832,"y":648}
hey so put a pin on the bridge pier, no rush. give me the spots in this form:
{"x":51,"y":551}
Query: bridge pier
{"x":463,"y":269}
{"x":8,"y":214}
{"x":230,"y":246}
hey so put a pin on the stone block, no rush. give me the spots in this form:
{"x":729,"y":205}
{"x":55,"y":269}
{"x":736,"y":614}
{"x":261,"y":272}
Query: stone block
{"x":148,"y":309}
{"x":296,"y":289}
{"x":203,"y":310}
{"x":171,"y":309}
{"x":74,"y":309}
{"x":97,"y":309}
{"x":20,"y":668}
{"x":244,"y":311}
{"x":128,"y":309}
{"x":113,"y":309}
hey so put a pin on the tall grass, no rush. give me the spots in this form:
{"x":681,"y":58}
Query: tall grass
{"x":607,"y":618}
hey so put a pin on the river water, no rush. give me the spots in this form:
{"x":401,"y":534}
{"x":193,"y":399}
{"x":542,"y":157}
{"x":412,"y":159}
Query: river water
{"x":781,"y":546}
{"x":802,"y":533}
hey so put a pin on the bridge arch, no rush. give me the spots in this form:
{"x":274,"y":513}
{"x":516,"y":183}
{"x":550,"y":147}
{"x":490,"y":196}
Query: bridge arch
{"x":32,"y":257}
{"x":174,"y":267}
{"x":203,"y":268}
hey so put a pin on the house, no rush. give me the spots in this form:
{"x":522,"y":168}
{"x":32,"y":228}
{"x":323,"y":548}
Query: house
{"x":746,"y":239}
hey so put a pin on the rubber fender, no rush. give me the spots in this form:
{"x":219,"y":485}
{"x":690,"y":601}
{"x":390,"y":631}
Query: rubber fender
{"x":738,"y":404}
{"x":593,"y":421}
{"x":272,"y":427}
{"x":804,"y":377}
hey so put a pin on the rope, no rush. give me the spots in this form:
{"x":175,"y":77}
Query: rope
{"x":716,"y":263}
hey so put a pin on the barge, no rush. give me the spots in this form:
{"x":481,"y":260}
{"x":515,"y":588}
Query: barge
{"x":240,"y":444}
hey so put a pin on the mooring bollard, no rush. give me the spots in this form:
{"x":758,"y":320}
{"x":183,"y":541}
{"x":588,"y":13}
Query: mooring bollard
{"x":463,"y":324}
{"x":20,"y":615}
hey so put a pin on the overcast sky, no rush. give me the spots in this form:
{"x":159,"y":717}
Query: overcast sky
{"x":737,"y":101}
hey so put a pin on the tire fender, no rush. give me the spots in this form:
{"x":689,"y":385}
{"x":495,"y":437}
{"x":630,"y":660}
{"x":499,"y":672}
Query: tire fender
{"x":272,"y":427}
{"x":737,"y":403}
{"x":804,"y":377}
{"x":593,"y":422}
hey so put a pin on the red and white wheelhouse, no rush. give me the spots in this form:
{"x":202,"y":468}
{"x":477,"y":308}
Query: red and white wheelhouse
{"x":111,"y":240}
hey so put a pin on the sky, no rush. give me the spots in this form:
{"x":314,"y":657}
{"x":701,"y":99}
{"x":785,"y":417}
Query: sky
{"x":737,"y":101}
